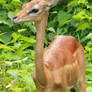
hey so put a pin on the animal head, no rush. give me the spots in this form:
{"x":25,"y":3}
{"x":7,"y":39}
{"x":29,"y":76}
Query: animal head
{"x":33,"y":11}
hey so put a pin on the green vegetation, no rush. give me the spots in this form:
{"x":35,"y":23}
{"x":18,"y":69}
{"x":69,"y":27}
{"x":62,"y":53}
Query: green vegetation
{"x":17,"y":42}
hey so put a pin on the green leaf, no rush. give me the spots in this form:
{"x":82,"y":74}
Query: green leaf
{"x":8,"y":56}
{"x":72,"y":3}
{"x":89,"y":76}
{"x":2,"y":2}
{"x":82,"y":27}
{"x":10,"y":15}
{"x":51,"y":29}
{"x":63,"y":17}
{"x":30,"y":40}
{"x":89,"y":89}
{"x":89,"y":69}
{"x":89,"y":66}
{"x":80,"y":15}
{"x":15,"y":37}
{"x":8,"y":63}
{"x":9,"y":71}
{"x":21,"y":30}
{"x":1,"y":40}
{"x":5,"y":47}
{"x":17,"y":89}
{"x":17,"y":2}
{"x":89,"y":36}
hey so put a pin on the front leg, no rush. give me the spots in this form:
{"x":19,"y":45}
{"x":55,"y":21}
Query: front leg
{"x":81,"y":85}
{"x":60,"y":81}
{"x":38,"y":86}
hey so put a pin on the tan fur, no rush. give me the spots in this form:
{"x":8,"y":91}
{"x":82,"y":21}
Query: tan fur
{"x":62,"y":65}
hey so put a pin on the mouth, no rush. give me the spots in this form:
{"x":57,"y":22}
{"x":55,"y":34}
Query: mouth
{"x":14,"y":20}
{"x":17,"y":20}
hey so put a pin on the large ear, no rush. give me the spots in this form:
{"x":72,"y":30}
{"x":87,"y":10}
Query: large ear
{"x":52,"y":3}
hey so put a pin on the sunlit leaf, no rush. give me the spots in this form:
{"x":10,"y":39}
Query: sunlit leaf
{"x":5,"y":47}
{"x":89,"y":89}
{"x":21,"y":30}
{"x":28,"y":39}
{"x":80,"y":15}
{"x":89,"y":36}
{"x":82,"y":27}
{"x":63,"y":17}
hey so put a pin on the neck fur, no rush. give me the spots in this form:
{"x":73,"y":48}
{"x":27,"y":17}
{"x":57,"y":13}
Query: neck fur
{"x":40,"y":37}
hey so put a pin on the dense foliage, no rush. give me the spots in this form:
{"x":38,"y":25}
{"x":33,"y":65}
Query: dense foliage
{"x":17,"y":42}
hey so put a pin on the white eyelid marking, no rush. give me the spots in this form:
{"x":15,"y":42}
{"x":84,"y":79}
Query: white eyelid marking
{"x":36,"y":6}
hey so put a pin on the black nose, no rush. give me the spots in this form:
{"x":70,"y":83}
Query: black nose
{"x":14,"y":17}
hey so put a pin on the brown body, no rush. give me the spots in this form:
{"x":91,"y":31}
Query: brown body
{"x":62,"y":65}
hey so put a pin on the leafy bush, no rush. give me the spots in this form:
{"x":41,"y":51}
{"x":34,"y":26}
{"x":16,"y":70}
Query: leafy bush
{"x":17,"y":42}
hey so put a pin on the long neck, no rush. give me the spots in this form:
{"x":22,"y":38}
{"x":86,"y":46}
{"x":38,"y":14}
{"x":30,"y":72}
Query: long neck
{"x":40,"y":25}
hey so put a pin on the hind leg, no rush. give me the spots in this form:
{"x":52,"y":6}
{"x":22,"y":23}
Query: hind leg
{"x":82,"y":64}
{"x":82,"y":84}
{"x":76,"y":88}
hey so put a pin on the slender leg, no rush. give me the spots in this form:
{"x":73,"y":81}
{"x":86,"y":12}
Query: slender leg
{"x":82,"y":65}
{"x":77,"y":86}
{"x":83,"y":85}
{"x":39,"y":89}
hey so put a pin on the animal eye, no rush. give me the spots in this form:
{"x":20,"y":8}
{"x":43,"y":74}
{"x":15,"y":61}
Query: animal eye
{"x":33,"y":11}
